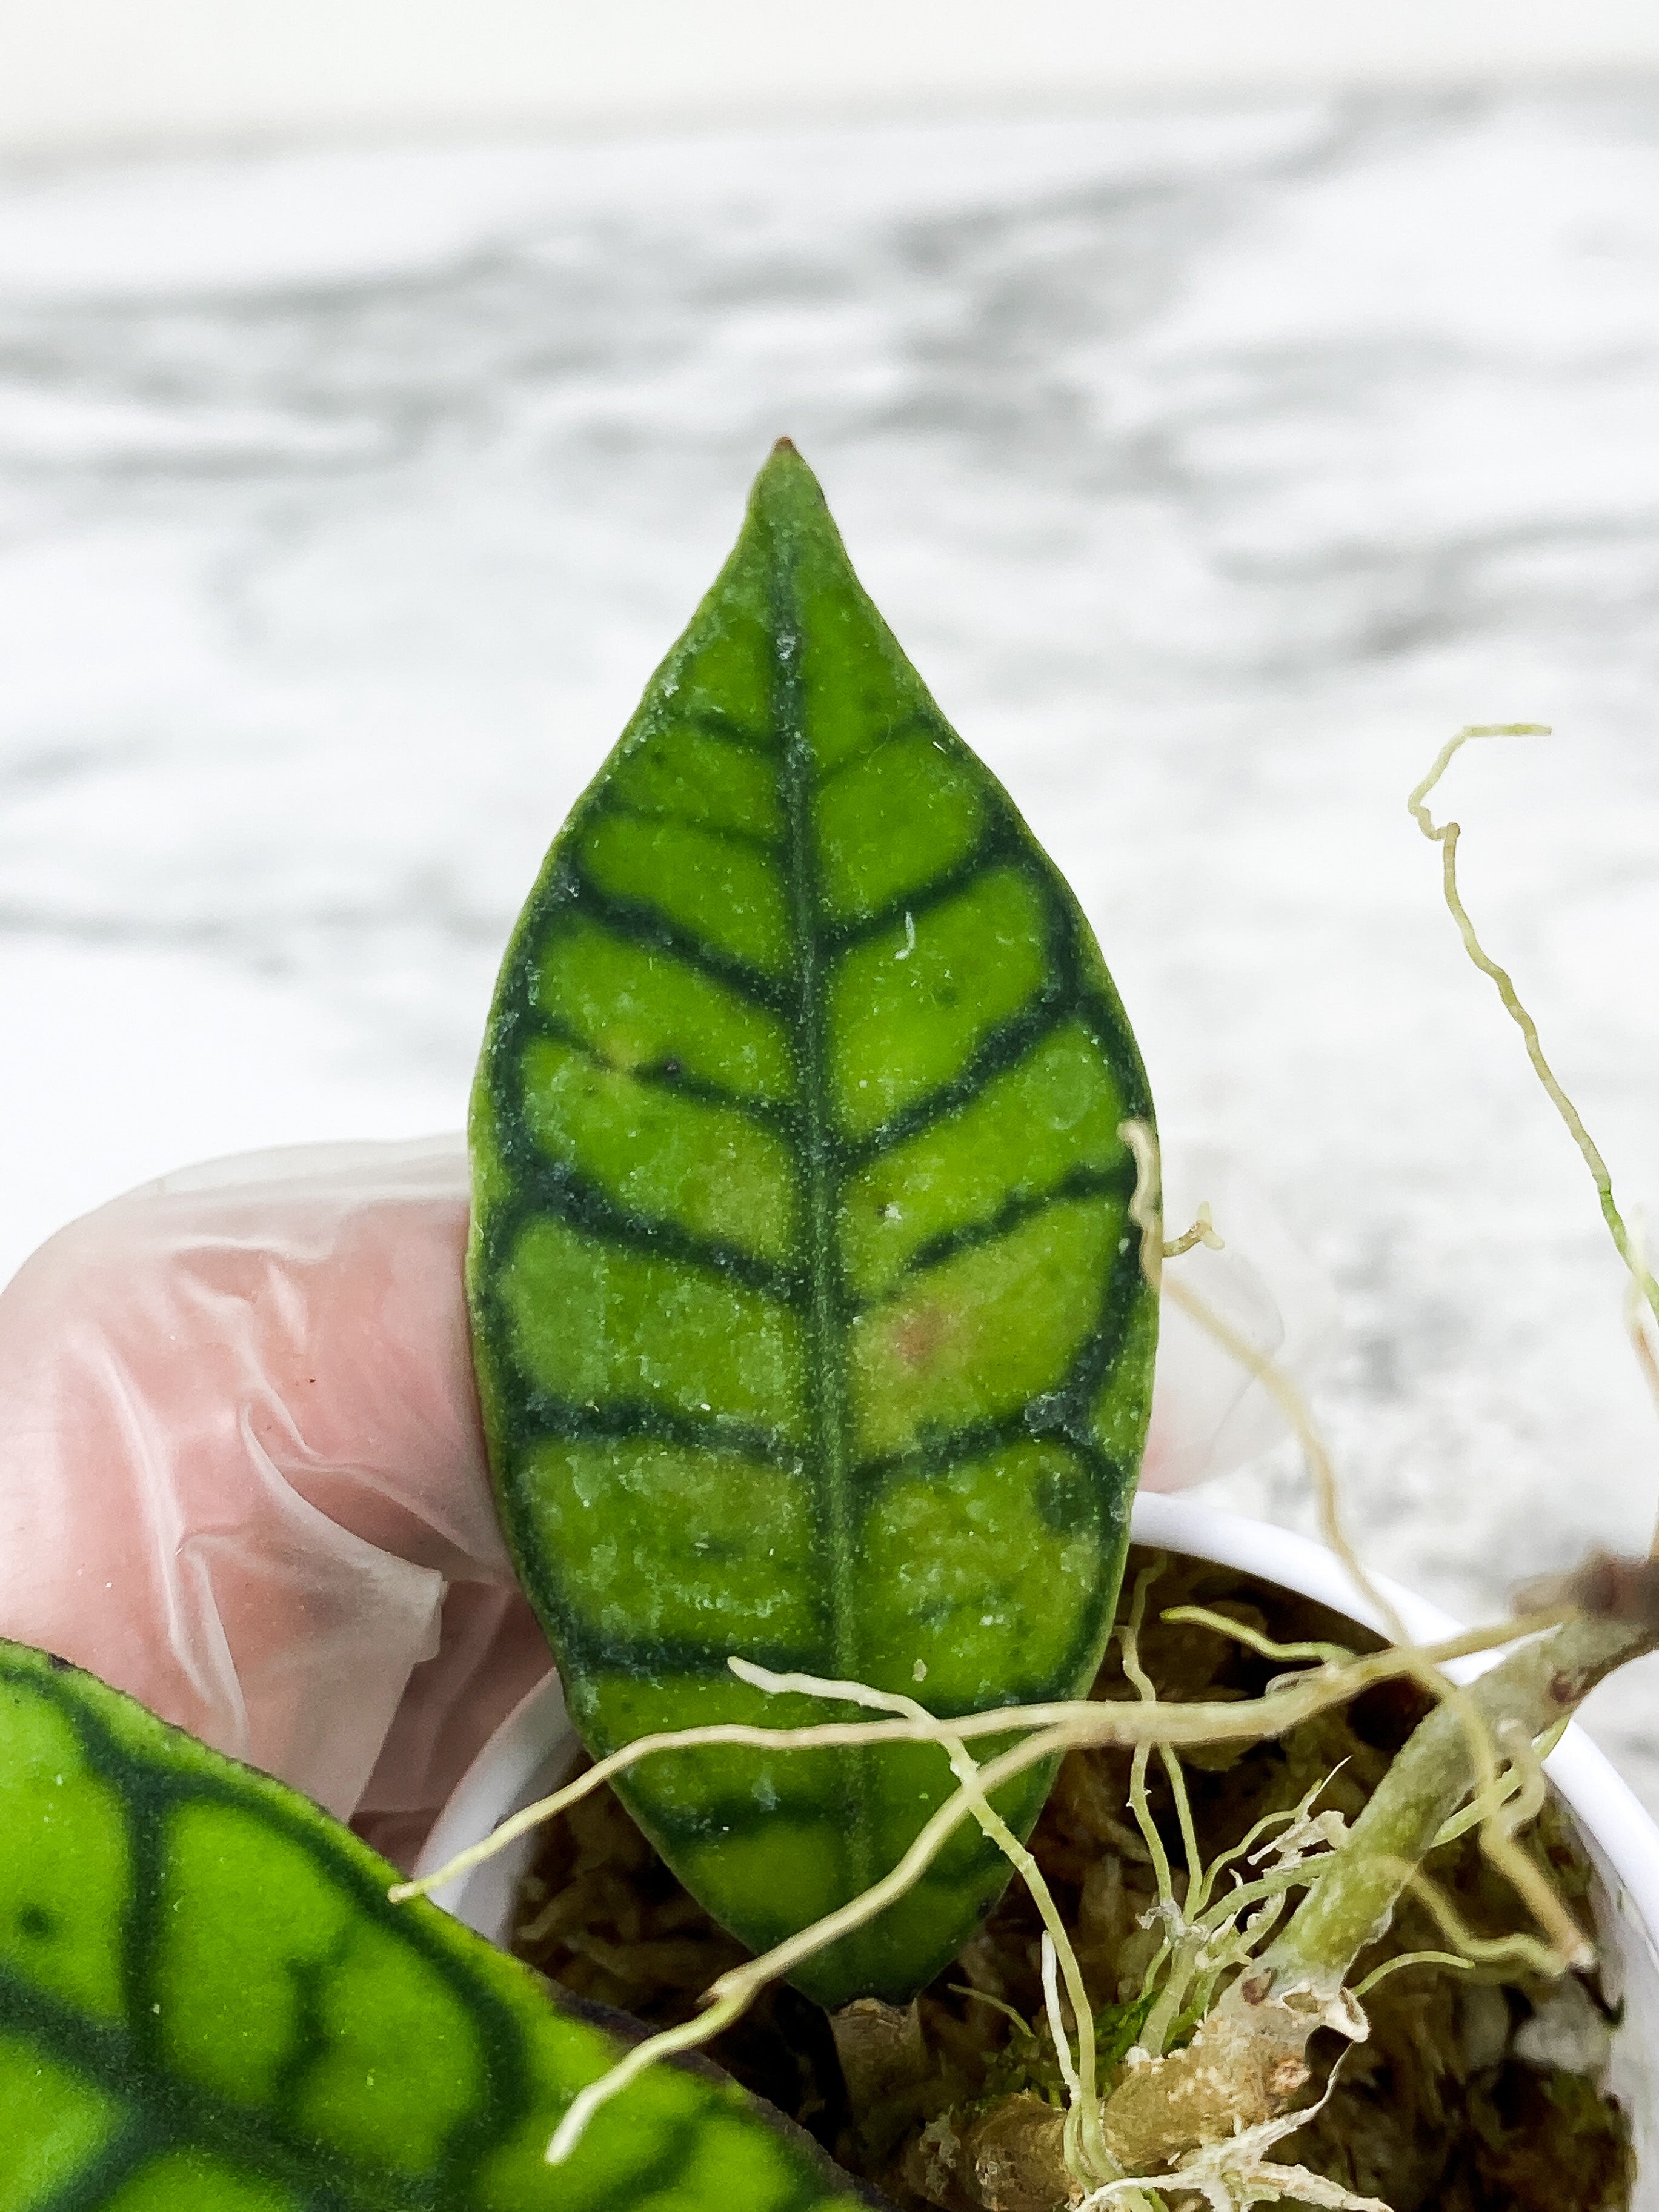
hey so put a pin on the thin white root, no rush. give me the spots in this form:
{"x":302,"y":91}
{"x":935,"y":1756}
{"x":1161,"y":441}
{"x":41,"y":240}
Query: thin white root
{"x":729,"y":1995}
{"x":1446,"y":835}
{"x":1060,"y":1729}
{"x":1083,"y":2118}
{"x":1526,"y":1951}
{"x":1642,"y":1290}
{"x":1081,"y":1724}
{"x":1330,"y":1655}
{"x":1068,"y":2073}
{"x":587,"y":2102}
{"x":1176,"y":1947}
{"x":827,"y":1736}
{"x":1498,"y":1841}
{"x":1146,"y":1204}
{"x":1203,"y":1231}
{"x":1420,"y":1666}
{"x":1136,"y":1674}
{"x":1412,"y":1959}
{"x":1290,"y":1400}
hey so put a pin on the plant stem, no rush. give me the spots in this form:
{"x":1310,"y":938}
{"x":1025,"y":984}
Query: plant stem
{"x":1531,"y":1690}
{"x":1248,"y":2059}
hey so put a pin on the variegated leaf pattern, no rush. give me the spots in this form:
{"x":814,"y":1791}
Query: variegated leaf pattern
{"x":809,"y":1320}
{"x":208,"y":2005}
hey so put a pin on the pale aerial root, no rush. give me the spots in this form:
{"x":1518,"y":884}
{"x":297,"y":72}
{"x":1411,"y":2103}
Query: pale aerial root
{"x":731,"y":1993}
{"x":1639,"y":1326}
{"x":971,"y":1995}
{"x":1203,"y":1231}
{"x":1470,"y":1951}
{"x":1080,"y":1723}
{"x":1642,"y":1290}
{"x":1208,"y":1943}
{"x":1446,"y":835}
{"x":1503,"y":1799}
{"x":1479,"y":1808}
{"x":1329,"y":1655}
{"x":1184,"y":1943}
{"x":1086,"y":2154}
{"x":1246,"y":2058}
{"x":1496,"y":1837}
{"x":1129,"y":1641}
{"x":1083,"y":1721}
{"x":1452,"y":1959}
{"x":1144,"y":1215}
{"x":827,"y":1736}
{"x":1547,"y":1960}
{"x":1086,"y":2144}
{"x":1050,"y":1730}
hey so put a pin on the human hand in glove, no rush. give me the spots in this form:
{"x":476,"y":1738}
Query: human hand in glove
{"x":242,"y":1476}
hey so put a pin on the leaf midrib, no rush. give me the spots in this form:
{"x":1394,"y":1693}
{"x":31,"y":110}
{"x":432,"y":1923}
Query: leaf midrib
{"x":826,"y":1315}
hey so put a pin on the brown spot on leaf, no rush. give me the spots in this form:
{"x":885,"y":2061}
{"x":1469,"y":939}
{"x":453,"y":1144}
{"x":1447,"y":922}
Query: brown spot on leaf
{"x":920,"y":1337}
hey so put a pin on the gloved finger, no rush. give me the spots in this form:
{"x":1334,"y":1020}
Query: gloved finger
{"x":490,"y":1652}
{"x":242,"y":1475}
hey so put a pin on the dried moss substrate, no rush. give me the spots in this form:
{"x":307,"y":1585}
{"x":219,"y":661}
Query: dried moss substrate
{"x":1473,"y":2094}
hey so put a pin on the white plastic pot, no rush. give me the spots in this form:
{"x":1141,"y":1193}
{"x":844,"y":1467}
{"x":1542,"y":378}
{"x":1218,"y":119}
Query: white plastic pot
{"x":534,"y":1748}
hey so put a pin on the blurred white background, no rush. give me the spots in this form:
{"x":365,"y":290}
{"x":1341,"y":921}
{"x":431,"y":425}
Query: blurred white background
{"x":96,"y":74}
{"x":1224,"y":403}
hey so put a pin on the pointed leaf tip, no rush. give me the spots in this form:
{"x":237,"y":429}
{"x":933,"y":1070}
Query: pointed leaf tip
{"x":786,"y":494}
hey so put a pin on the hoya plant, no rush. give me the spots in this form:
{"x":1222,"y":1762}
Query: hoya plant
{"x":815,"y":1270}
{"x":810,"y":1321}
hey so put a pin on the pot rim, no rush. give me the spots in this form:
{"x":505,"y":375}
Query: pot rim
{"x":512,"y":1766}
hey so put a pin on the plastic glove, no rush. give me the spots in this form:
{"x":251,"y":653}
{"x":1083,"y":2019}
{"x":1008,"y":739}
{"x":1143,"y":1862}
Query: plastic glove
{"x":242,"y":1477}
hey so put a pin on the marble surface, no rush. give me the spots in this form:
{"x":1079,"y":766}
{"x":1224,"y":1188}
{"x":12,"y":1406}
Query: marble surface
{"x":1213,"y":464}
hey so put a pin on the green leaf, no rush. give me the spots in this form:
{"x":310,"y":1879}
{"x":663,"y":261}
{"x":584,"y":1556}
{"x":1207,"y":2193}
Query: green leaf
{"x":208,"y":2005}
{"x":809,"y":1323}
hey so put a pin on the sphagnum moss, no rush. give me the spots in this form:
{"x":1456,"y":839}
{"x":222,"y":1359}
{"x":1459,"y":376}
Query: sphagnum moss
{"x":972,"y":2079}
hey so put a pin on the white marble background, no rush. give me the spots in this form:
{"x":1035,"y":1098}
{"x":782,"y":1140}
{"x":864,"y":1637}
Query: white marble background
{"x":1214,"y":464}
